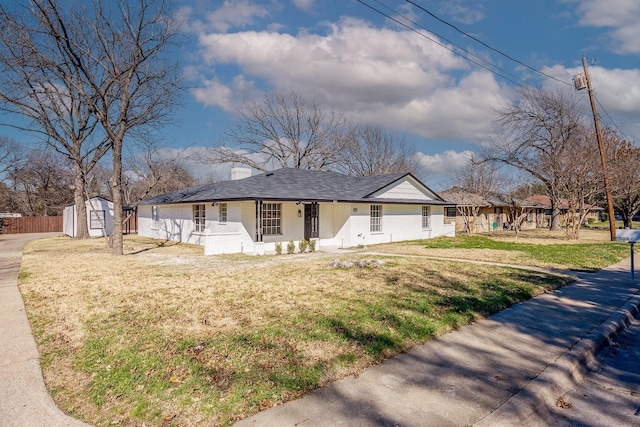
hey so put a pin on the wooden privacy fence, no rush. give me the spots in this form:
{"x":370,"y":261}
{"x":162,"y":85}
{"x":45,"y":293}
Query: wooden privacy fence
{"x":31,"y":224}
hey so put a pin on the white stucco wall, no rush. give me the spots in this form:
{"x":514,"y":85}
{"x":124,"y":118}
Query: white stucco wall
{"x":341,"y":225}
{"x":402,"y":190}
{"x":69,"y":226}
{"x":69,"y":215}
{"x":99,"y":229}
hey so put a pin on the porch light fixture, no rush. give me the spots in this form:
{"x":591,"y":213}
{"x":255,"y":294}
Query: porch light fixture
{"x":214,"y":204}
{"x":299,"y":213}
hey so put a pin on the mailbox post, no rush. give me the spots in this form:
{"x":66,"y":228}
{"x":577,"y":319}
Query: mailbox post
{"x":631,"y":237}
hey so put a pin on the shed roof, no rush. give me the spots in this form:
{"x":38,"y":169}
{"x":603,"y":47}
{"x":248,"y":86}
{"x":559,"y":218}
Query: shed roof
{"x":291,"y":184}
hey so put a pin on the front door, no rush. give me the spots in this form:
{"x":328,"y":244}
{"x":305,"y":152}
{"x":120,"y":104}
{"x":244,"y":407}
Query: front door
{"x":311,"y":221}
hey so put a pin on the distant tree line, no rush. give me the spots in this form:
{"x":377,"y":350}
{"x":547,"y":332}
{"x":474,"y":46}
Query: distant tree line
{"x":40,"y":181}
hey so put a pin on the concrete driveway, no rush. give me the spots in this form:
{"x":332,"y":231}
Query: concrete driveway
{"x":24,"y":400}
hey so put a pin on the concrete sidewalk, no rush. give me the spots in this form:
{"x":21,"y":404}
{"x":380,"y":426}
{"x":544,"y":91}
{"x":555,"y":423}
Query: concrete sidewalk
{"x":506,"y":370}
{"x":24,"y":400}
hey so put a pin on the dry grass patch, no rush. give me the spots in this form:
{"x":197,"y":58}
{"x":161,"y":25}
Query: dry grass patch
{"x":166,"y":336}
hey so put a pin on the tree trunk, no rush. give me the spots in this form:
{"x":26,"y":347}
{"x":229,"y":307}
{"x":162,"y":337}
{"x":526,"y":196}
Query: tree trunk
{"x":82,"y":231}
{"x":555,"y":218}
{"x":116,"y":192}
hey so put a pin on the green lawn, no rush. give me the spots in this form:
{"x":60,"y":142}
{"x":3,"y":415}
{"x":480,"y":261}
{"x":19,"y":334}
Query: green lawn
{"x":605,"y":225}
{"x":577,"y":256}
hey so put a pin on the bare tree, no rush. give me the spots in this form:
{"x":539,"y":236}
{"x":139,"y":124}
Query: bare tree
{"x":8,"y":202}
{"x":520,"y":206}
{"x":517,"y":213}
{"x":39,"y":82}
{"x":12,"y":155}
{"x":624,"y":175}
{"x":579,"y":179}
{"x":372,"y":150}
{"x":135,"y":83}
{"x":117,"y":52}
{"x":472,"y":187}
{"x":534,"y":135}
{"x":285,"y":131}
{"x":152,"y":173}
{"x":42,"y":186}
{"x":468,"y":206}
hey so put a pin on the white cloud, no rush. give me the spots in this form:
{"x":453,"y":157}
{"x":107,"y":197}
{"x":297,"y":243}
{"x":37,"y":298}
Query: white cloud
{"x":617,"y":91}
{"x":446,"y":163}
{"x":392,"y":78}
{"x":213,"y":93}
{"x":462,"y":12}
{"x":621,"y":16}
{"x":232,"y":14}
{"x":304,"y":4}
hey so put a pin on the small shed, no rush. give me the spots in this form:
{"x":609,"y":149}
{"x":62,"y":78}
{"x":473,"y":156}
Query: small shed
{"x":99,"y":218}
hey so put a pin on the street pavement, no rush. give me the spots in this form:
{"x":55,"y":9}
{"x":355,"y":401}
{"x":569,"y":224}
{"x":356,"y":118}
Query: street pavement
{"x":610,"y":393}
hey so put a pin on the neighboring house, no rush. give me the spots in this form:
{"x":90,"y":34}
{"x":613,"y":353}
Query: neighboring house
{"x":493,"y":211}
{"x":99,"y":218}
{"x":250,"y":214}
{"x":592,"y":216}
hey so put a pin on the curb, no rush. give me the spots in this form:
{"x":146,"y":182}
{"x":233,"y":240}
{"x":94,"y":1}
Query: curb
{"x":533,"y":402}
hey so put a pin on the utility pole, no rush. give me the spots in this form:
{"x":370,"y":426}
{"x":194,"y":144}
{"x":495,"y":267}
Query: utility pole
{"x":584,"y":82}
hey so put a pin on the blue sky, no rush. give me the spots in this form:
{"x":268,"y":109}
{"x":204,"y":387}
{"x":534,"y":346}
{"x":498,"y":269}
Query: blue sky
{"x":375,"y":71}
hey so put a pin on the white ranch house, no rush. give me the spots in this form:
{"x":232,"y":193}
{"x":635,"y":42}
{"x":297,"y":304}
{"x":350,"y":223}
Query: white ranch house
{"x":250,"y":214}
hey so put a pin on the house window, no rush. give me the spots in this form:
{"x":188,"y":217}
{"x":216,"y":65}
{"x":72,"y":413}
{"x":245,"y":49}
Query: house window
{"x":223,"y":212}
{"x":155,"y":217}
{"x":198,"y":218}
{"x":426,"y":217}
{"x":96,"y":219}
{"x":450,"y":212}
{"x":375,"y":223}
{"x":271,"y":218}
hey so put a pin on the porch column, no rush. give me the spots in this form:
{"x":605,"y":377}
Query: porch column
{"x":258,"y":220}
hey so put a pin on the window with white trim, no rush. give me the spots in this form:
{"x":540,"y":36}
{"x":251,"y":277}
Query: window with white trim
{"x":375,"y":223}
{"x":155,"y":216}
{"x":271,"y":218}
{"x":198,"y":218}
{"x":426,"y":217}
{"x":450,"y":212}
{"x":223,"y":212}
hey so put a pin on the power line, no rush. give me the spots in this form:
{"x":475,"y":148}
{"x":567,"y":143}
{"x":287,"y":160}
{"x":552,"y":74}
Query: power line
{"x":507,"y":76}
{"x":454,"y":44}
{"x":486,"y":45}
{"x":611,"y":119}
{"x":519,"y":83}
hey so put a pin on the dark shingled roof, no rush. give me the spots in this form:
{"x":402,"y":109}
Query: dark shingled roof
{"x":291,"y":184}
